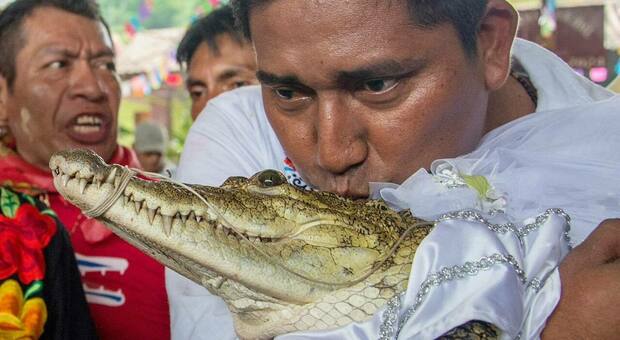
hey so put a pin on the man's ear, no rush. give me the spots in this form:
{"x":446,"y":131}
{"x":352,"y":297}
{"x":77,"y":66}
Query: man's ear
{"x":497,"y":33}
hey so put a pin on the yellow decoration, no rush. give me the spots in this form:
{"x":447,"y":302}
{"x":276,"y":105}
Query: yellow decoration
{"x":20,"y":320}
{"x":478,"y":183}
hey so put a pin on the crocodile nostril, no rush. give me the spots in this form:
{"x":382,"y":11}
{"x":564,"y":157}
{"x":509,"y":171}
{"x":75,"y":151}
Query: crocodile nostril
{"x":57,"y":171}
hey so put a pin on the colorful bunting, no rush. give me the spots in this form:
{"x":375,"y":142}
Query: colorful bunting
{"x":144,"y":84}
{"x":548,"y":20}
{"x":145,"y":10}
{"x":130,"y":30}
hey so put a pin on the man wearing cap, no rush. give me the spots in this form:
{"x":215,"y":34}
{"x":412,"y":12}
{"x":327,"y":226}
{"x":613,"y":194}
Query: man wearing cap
{"x":150,"y":146}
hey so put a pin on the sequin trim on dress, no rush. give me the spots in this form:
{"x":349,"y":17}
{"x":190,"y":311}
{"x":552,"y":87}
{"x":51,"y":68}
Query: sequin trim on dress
{"x":391,"y":326}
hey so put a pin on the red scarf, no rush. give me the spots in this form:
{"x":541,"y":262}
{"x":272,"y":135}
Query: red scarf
{"x":24,"y":177}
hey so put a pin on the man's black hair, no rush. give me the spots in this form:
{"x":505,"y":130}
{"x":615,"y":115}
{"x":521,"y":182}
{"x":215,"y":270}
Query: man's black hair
{"x":208,"y":29}
{"x":464,"y":15}
{"x":12,"y":19}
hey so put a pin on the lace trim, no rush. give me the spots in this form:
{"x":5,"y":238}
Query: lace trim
{"x":391,"y":327}
{"x":474,"y":216}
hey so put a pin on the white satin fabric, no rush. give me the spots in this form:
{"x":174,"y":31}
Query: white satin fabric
{"x":567,"y":159}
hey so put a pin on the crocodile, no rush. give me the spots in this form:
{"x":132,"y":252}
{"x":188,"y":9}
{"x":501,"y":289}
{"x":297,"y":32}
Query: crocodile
{"x":283,"y":259}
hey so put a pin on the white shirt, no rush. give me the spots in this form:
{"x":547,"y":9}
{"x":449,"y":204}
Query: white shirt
{"x":232,"y":137}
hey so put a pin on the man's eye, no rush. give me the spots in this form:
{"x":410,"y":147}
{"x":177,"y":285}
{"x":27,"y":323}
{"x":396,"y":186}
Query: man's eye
{"x":379,"y":85}
{"x":239,"y":84}
{"x":285,"y":93}
{"x":235,"y":84}
{"x":195,"y":94}
{"x":58,"y":64}
{"x":290,"y":98}
{"x":106,"y":66}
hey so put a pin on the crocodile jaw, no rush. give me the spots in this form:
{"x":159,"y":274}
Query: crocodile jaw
{"x":198,"y":246}
{"x":188,"y":236}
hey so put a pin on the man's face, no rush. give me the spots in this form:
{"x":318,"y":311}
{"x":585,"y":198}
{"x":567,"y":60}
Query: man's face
{"x":357,"y":94}
{"x":66,"y":91}
{"x":210,"y":74}
{"x":151,"y":161}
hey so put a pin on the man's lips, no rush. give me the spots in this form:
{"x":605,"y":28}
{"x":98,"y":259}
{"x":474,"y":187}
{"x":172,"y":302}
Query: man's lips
{"x":89,"y":128}
{"x":354,"y":188}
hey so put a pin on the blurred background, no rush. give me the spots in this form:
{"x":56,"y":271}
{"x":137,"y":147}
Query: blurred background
{"x":585,"y":33}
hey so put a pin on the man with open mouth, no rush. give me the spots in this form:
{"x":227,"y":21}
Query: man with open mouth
{"x":59,"y":90}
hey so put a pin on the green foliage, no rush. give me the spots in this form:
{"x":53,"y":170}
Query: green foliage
{"x":180,"y":122}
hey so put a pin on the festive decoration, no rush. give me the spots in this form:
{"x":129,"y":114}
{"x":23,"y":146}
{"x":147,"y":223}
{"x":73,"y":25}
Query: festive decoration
{"x":174,"y":80}
{"x":145,"y":10}
{"x":130,"y":30}
{"x":548,"y":21}
{"x":599,"y":74}
{"x":166,"y":71}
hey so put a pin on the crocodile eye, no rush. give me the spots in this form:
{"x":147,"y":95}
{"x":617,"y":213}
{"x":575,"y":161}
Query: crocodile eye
{"x":271,"y":178}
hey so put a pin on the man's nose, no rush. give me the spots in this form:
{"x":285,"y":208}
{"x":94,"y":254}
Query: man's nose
{"x":341,"y":140}
{"x":86,"y":83}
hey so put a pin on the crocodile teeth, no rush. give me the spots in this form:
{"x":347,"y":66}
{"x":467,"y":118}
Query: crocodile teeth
{"x":167,"y":222}
{"x":125,"y":200}
{"x":82,"y":185}
{"x":218,"y":282}
{"x":138,"y":206}
{"x":65,"y":180}
{"x":183,"y":218}
{"x":151,"y":213}
{"x":97,"y":183}
{"x":111,"y":176}
{"x":198,"y":218}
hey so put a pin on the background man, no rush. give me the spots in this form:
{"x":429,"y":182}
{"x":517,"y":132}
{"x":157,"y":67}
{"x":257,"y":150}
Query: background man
{"x":58,"y":90}
{"x":368,"y":91}
{"x":150,"y":147}
{"x":217,"y":58}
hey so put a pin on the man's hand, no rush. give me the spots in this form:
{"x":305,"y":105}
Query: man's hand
{"x":589,"y":306}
